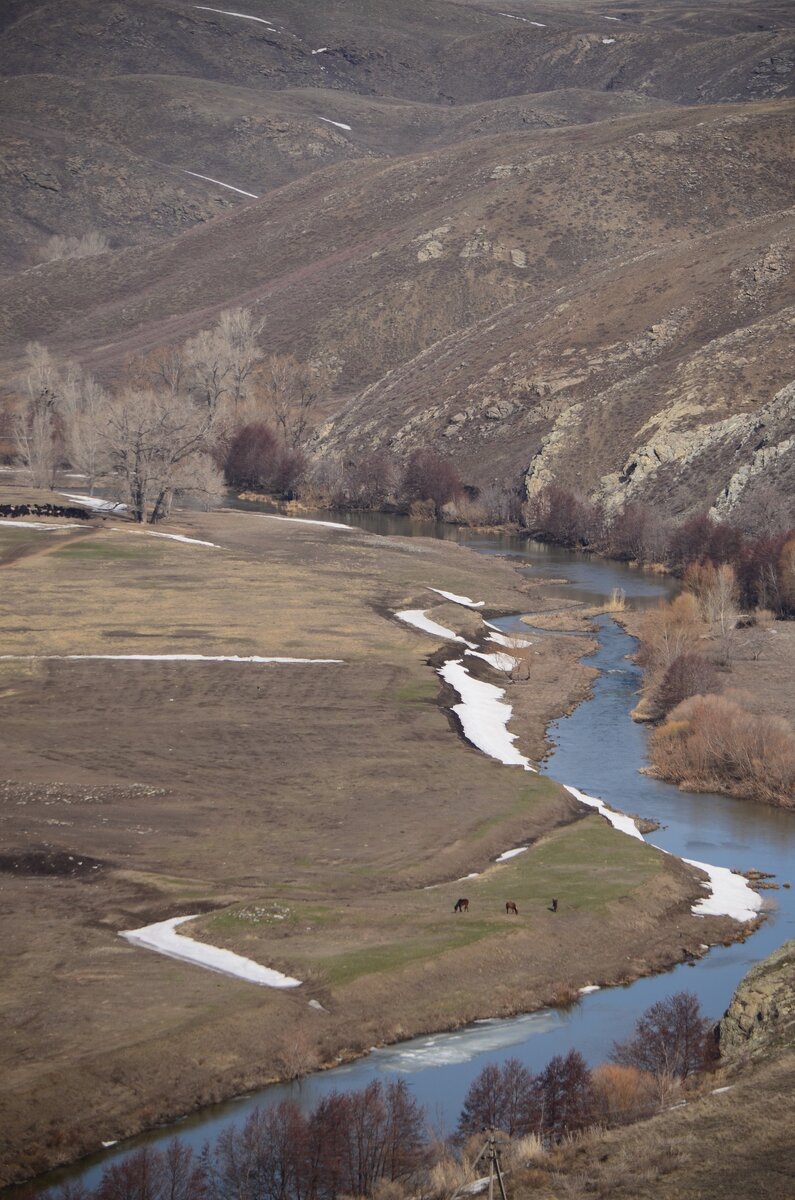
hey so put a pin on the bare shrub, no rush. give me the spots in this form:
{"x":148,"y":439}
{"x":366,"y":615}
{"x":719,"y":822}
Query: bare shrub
{"x":714,"y":743}
{"x":499,"y":1098}
{"x":622,"y":1094}
{"x":637,"y":533}
{"x":668,"y":631}
{"x":370,"y":481}
{"x":36,"y":428}
{"x":429,"y":476}
{"x":60,"y":247}
{"x":688,"y":675}
{"x":292,"y":391}
{"x":617,"y":602}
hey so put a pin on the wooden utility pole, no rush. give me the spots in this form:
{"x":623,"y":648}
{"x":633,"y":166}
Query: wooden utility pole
{"x":490,"y":1153}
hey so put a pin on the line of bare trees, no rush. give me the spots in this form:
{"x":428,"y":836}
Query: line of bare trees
{"x":377,"y":1143}
{"x":167,"y":429}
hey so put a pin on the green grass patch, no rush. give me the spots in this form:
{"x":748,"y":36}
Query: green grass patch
{"x":100,"y":551}
{"x":417,"y":691}
{"x":390,"y":956}
{"x":587,"y":865}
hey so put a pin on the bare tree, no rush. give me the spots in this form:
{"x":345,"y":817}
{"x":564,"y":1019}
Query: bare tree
{"x":35,"y":426}
{"x":241,"y":331}
{"x":151,"y":440}
{"x":670,"y":1040}
{"x":292,"y":390}
{"x":85,"y":411}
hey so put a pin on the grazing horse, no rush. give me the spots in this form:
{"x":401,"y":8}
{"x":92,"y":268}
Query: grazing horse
{"x":461,"y":905}
{"x":510,"y":907}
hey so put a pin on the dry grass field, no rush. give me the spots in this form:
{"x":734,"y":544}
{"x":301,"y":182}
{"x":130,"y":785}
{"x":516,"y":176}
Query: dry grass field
{"x":318,"y":814}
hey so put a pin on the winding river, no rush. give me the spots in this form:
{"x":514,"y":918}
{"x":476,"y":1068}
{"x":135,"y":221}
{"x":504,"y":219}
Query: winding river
{"x":600,"y":750}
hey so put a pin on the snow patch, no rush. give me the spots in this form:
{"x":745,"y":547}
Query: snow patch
{"x":321,"y":50}
{"x":484,"y":715}
{"x":512,"y":643}
{"x":226,"y":13}
{"x":174,"y":537}
{"x":234,"y":658}
{"x":527,"y":21}
{"x":339,"y":124}
{"x":720,"y":1090}
{"x":506,"y":854}
{"x":590,"y":987}
{"x":730,"y":895}
{"x":417,"y":618}
{"x":608,"y":41}
{"x":37,"y":524}
{"x":220,"y":182}
{"x":467,"y":603}
{"x":309,"y":521}
{"x":95,"y":502}
{"x":163,"y":937}
{"x":618,"y":820}
{"x":500,"y":662}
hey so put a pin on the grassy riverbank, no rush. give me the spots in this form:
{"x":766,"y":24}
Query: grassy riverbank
{"x":318,"y":814}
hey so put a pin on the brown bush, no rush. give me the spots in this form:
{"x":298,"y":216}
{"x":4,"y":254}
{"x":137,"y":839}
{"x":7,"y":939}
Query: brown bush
{"x":714,"y":743}
{"x":429,"y":476}
{"x":688,"y":675}
{"x":622,"y":1094}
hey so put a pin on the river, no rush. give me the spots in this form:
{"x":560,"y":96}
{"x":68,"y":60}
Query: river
{"x":599,"y":749}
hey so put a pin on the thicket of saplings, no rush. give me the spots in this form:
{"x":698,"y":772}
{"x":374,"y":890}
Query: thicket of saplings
{"x":377,"y":1142}
{"x":708,"y":737}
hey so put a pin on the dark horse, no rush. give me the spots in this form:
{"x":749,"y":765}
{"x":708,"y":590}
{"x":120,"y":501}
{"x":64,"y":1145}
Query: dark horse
{"x":461,"y":905}
{"x":510,"y":907}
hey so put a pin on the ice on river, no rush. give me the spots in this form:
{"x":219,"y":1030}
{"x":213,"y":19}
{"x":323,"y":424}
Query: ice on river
{"x":483,"y":1037}
{"x":467,"y":603}
{"x":484,"y":715}
{"x":416,"y":617}
{"x":163,"y":938}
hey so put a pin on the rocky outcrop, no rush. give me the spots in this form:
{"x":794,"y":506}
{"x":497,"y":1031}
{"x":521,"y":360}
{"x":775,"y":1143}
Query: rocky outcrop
{"x":761,"y":1015}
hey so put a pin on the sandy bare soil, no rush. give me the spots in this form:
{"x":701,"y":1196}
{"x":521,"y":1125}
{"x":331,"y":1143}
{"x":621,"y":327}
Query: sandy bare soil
{"x":304,"y":808}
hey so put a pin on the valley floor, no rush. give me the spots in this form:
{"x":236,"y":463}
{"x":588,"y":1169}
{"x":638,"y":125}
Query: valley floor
{"x":318,"y":813}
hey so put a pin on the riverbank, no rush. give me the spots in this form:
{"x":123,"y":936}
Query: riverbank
{"x":320,"y":810}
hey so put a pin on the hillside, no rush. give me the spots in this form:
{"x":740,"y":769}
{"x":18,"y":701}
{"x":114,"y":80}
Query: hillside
{"x":595,"y":204}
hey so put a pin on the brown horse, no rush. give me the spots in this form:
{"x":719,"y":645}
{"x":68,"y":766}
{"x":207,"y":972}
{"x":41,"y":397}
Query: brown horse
{"x":510,"y":907}
{"x":461,"y":905}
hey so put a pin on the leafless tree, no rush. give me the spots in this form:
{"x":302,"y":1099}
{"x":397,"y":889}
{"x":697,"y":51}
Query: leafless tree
{"x":292,"y":390}
{"x":151,"y":440}
{"x":209,"y":362}
{"x":35,"y":425}
{"x":670,"y":1039}
{"x":219,"y":361}
{"x":241,"y":331}
{"x":85,"y":411}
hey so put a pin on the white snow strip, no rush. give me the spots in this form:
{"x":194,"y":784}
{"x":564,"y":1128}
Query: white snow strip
{"x":718,"y":1091}
{"x":339,"y":124}
{"x":484,"y":715}
{"x":538,"y":24}
{"x":174,"y":537}
{"x":506,"y":854}
{"x":95,"y":502}
{"x":233,"y":658}
{"x":220,"y":182}
{"x":226,"y":13}
{"x":512,"y":643}
{"x":608,"y":41}
{"x":321,"y":50}
{"x":618,"y":820}
{"x":500,"y":662}
{"x":467,"y":603}
{"x":513,"y":17}
{"x":610,"y":18}
{"x":163,"y":938}
{"x":590,"y":987}
{"x":730,"y":894}
{"x":107,"y":1145}
{"x":38,"y":524}
{"x":417,"y":618}
{"x":309,"y":521}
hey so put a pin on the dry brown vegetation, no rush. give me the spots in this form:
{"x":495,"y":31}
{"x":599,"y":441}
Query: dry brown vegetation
{"x":295,"y":827}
